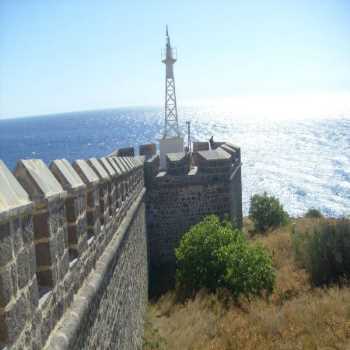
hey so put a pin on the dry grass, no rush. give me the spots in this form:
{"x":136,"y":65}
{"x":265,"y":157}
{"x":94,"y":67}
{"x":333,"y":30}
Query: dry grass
{"x":295,"y":316}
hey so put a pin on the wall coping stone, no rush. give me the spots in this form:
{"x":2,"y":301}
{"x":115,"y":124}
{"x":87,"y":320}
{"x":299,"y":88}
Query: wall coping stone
{"x":140,"y":160}
{"x":231,"y":145}
{"x":66,"y":175}
{"x":126,"y":151}
{"x":128,"y":163}
{"x":13,"y":198}
{"x":85,"y":171}
{"x":214,"y":155}
{"x":176,"y":157}
{"x":66,"y":329}
{"x":108,"y":167}
{"x":38,"y":180}
{"x":99,"y":170}
{"x":115,"y":166}
{"x":200,"y":146}
{"x":120,"y":164}
{"x":124,"y":162}
{"x":152,"y":159}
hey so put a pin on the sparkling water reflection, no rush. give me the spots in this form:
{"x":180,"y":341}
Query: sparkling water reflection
{"x":306,"y":163}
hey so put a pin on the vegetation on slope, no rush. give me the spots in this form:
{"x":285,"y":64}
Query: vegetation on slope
{"x":214,"y":255}
{"x":296,"y":316}
{"x":267,"y":212}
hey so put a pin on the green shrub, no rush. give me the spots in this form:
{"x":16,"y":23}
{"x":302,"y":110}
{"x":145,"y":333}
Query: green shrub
{"x":266,"y":212}
{"x":213,"y":255}
{"x":325,"y":252}
{"x":313,"y":213}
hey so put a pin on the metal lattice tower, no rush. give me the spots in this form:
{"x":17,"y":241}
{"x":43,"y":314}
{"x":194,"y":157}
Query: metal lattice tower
{"x":171,"y":126}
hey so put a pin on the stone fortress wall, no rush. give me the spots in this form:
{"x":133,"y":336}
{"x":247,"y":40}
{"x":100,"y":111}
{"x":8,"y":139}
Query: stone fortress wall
{"x":78,"y":241}
{"x":73,"y":256}
{"x":190,"y":189}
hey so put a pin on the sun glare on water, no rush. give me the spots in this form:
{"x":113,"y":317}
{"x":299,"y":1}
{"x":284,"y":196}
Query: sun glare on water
{"x":279,"y":107}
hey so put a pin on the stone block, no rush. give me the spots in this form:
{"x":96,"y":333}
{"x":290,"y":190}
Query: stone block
{"x":200,"y":146}
{"x":126,"y":152}
{"x":148,"y":150}
{"x":27,"y":230}
{"x":71,"y":211}
{"x":6,"y":249}
{"x":87,"y":174}
{"x":72,"y":235}
{"x":37,"y":180}
{"x":113,"y":164}
{"x":16,"y":233}
{"x":46,"y":278}
{"x":177,"y":163}
{"x":126,"y":164}
{"x":120,"y":163}
{"x":43,"y":253}
{"x":9,"y":329}
{"x":33,"y":295}
{"x":66,"y":175}
{"x":23,"y":268}
{"x":99,"y":169}
{"x":41,"y":225}
{"x":13,"y":198}
{"x":108,"y":167}
{"x":6,"y":286}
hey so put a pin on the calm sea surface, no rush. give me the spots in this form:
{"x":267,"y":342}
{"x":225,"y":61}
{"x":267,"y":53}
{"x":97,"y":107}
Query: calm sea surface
{"x":305,"y":163}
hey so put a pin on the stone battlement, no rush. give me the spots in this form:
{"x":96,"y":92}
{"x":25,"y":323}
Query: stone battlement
{"x":55,"y":224}
{"x":81,"y":242}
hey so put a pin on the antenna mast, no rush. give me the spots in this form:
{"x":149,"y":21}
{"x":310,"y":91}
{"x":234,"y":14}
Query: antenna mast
{"x":171,"y":126}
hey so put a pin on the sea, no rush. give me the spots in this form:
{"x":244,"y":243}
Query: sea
{"x":305,"y":162}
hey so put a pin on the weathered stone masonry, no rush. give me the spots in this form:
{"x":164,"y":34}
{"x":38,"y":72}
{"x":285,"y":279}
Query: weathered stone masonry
{"x":78,"y":242}
{"x":72,"y":276}
{"x":181,"y":197}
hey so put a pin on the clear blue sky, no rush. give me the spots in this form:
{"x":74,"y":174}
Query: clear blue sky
{"x":59,"y":56}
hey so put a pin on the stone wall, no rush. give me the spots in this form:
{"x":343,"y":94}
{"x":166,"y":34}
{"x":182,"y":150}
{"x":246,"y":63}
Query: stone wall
{"x":176,"y":201}
{"x":73,"y":257}
{"x":77,"y":240}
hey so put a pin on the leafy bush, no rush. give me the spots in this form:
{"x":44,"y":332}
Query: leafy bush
{"x":325,"y":252}
{"x":313,"y":213}
{"x":213,"y":255}
{"x":266,"y":212}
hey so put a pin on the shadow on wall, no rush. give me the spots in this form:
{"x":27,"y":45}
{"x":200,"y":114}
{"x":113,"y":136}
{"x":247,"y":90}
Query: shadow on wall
{"x":161,"y":280}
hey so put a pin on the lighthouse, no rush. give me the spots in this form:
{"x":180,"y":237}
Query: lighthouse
{"x":172,"y":141}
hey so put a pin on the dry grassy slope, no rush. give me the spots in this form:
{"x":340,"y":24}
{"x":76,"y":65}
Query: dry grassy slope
{"x":295,"y":317}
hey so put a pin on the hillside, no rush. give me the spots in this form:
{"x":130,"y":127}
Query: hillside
{"x":296,"y":316}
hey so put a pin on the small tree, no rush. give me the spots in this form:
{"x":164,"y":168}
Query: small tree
{"x":313,"y":213}
{"x":325,"y":252}
{"x":212,"y":255}
{"x":266,"y":212}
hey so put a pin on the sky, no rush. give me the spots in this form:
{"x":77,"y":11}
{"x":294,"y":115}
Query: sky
{"x":61,"y":56}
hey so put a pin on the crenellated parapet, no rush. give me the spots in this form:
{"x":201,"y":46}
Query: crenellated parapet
{"x":56,"y":222}
{"x":77,"y":240}
{"x":18,"y":281}
{"x":148,"y":150}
